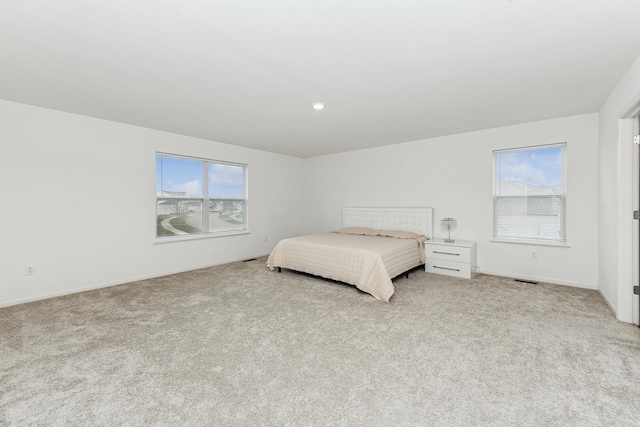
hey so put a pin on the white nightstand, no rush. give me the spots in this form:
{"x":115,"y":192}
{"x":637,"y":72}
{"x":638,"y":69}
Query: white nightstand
{"x":453,"y":259}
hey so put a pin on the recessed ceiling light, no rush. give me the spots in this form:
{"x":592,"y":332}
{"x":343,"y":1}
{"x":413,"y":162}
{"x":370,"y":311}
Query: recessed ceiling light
{"x":318,"y":106}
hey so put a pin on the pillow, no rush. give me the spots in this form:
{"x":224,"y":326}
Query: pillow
{"x":357,"y":230}
{"x":398,"y":234}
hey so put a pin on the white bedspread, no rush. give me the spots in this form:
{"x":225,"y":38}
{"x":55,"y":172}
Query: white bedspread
{"x":368,"y":262}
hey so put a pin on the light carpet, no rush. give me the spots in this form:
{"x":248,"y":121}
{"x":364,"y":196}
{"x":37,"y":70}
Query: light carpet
{"x":238,"y":344}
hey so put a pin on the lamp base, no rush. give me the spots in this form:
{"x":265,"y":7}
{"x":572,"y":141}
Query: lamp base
{"x":449,"y":240}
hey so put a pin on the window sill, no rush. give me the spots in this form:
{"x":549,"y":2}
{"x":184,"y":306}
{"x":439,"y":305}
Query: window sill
{"x":188,"y":237}
{"x":531,"y":242}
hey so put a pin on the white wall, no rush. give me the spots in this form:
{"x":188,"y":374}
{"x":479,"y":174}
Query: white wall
{"x":453,"y":175}
{"x":614,"y":226}
{"x":78,"y":197}
{"x":78,"y":202}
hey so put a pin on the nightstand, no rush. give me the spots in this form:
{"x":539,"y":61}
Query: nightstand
{"x":453,"y":259}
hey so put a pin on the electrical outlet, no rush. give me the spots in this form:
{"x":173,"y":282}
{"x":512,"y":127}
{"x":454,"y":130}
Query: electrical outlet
{"x":534,"y":255}
{"x":266,"y":238}
{"x":29,"y":269}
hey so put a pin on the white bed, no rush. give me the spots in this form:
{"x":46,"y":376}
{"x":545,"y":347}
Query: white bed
{"x":368,"y":259}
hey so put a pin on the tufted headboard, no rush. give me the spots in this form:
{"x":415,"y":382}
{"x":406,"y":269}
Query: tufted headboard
{"x":418,"y":220}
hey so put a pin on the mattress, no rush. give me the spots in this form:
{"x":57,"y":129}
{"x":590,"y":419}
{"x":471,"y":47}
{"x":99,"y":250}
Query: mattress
{"x":367,"y":262}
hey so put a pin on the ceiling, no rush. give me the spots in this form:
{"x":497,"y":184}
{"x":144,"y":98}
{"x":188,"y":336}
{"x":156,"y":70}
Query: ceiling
{"x":246,"y":72}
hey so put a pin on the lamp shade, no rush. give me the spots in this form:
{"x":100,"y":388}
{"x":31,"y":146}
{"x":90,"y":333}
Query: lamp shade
{"x":449,"y":223}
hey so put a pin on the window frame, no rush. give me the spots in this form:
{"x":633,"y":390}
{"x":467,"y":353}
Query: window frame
{"x":563,"y":241}
{"x":205,"y":200}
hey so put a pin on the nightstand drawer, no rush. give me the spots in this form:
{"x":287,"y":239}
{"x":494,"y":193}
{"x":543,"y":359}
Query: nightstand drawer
{"x":449,"y":268}
{"x":448,"y":253}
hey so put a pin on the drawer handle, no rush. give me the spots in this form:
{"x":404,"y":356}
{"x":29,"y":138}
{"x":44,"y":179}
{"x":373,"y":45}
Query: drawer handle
{"x":445,"y":253}
{"x":446,"y":268}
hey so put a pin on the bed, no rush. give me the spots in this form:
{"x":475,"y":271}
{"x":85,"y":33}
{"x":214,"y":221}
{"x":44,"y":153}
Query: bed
{"x":373,"y":246}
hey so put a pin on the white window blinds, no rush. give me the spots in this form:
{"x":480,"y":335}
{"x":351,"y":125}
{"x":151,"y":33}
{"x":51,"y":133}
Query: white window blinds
{"x":529,"y":194}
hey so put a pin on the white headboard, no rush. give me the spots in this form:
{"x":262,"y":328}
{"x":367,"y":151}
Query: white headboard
{"x":418,"y":220}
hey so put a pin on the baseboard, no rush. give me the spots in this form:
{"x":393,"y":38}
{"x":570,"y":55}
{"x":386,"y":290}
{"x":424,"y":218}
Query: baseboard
{"x":120,"y":282}
{"x":541,"y":279}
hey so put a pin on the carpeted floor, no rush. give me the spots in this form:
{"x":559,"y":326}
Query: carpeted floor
{"x":238,"y":344}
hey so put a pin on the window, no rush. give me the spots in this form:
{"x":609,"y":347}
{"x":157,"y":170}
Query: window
{"x":529,"y":194}
{"x":199,"y":197}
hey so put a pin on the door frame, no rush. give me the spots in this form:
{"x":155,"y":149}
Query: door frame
{"x":625,"y":212}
